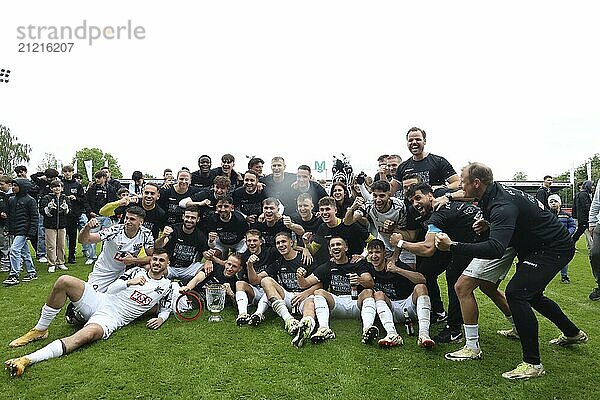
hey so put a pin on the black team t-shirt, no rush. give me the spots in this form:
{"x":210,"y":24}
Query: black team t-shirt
{"x":334,"y":277}
{"x":284,"y":272}
{"x":183,"y":248}
{"x":169,"y":202}
{"x":266,"y":257}
{"x":248,"y":203}
{"x":396,"y":287}
{"x":432,"y":169}
{"x":269,"y":232}
{"x":230,"y":232}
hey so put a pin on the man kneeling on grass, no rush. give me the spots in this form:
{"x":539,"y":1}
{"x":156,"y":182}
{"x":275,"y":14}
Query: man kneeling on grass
{"x":126,"y":299}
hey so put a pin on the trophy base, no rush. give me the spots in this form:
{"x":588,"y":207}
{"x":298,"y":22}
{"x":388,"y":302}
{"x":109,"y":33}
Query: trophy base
{"x":215,"y":318}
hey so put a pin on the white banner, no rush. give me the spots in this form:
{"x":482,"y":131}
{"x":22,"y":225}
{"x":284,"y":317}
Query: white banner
{"x":88,"y":169}
{"x":589,"y":170}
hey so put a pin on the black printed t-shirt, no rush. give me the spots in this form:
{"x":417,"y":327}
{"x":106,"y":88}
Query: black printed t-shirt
{"x":183,"y":248}
{"x":284,"y":272}
{"x":269,"y":232}
{"x":230,"y":232}
{"x":432,"y":169}
{"x":248,"y":203}
{"x":169,"y":202}
{"x":266,"y":257}
{"x":334,"y":277}
{"x":396,"y":287}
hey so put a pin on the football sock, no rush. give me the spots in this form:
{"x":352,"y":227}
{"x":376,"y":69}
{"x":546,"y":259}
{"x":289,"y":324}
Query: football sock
{"x":53,"y":350}
{"x":263,"y":305}
{"x":46,"y":317}
{"x":322,"y":311}
{"x":368,"y":312}
{"x":424,"y":314}
{"x":472,"y":336}
{"x":386,"y":318}
{"x":280,"y":308}
{"x":241,"y":299}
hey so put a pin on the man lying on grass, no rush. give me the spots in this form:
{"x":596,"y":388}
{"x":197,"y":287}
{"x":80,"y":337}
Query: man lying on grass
{"x":126,"y":299}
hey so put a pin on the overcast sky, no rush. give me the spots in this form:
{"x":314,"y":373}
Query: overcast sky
{"x":512,"y":84}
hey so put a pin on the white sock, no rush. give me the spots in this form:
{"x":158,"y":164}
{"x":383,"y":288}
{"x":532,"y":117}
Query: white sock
{"x":322,"y":311}
{"x":510,"y":319}
{"x":281,"y":309}
{"x":472,"y":336}
{"x":48,"y":314}
{"x":424,"y":314}
{"x":263,"y":305}
{"x":386,"y":317}
{"x":368,"y":312}
{"x":53,"y":350}
{"x":241,"y":299}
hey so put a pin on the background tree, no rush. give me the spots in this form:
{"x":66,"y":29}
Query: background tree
{"x":520,"y":176}
{"x":49,"y":161}
{"x":12,"y":153}
{"x":98,"y":158}
{"x":580,"y":174}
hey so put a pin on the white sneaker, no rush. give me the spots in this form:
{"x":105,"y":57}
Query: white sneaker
{"x":89,"y":261}
{"x":51,"y":269}
{"x":43,"y":260}
{"x":62,"y":267}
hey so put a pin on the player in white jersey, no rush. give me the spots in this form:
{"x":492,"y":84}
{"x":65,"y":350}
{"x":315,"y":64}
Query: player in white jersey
{"x":126,"y":299}
{"x":386,"y":215}
{"x":122,"y":244}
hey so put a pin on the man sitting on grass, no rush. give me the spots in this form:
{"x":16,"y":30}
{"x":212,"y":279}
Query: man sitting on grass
{"x":126,"y":299}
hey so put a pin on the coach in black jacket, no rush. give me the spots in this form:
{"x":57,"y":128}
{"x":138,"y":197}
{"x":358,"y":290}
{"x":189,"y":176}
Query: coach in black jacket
{"x":543,"y":246}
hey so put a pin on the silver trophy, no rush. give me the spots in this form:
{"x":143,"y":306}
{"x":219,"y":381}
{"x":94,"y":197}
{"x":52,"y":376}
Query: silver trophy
{"x":215,"y":301}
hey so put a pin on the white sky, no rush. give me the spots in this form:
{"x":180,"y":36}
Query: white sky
{"x":513,"y":84}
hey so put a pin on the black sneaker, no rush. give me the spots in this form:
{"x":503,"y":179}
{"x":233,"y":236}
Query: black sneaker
{"x":11,"y":280}
{"x":595,"y":295}
{"x":30,"y":277}
{"x":71,"y":261}
{"x":448,"y":335}
{"x":438,"y":317}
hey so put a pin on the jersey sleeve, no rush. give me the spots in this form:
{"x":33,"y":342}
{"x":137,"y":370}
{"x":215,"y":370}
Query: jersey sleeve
{"x":110,"y":232}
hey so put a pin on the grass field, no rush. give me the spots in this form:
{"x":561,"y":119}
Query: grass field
{"x":223,"y":361}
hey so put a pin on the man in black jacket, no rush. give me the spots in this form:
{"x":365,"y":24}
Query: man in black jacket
{"x":581,"y":211}
{"x":22,"y":224}
{"x":543,"y":247}
{"x":74,"y":192}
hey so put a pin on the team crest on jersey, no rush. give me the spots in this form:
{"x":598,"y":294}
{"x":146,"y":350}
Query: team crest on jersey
{"x":159,"y":290}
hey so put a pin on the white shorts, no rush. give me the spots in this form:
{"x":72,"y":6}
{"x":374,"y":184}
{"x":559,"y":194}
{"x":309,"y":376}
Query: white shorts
{"x":105,"y":317}
{"x":101,"y":280}
{"x":258,"y":293}
{"x":287,"y":297}
{"x":184,"y":274}
{"x":491,"y":270}
{"x":239,"y":247}
{"x":398,"y":307}
{"x":344,"y":307}
{"x":90,"y":301}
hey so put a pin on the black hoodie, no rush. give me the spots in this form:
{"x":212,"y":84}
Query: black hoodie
{"x":22,"y":211}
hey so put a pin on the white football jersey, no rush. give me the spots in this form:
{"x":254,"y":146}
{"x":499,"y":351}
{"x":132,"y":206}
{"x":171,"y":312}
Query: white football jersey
{"x":128,"y":303}
{"x":107,"y":269}
{"x":396,"y":213}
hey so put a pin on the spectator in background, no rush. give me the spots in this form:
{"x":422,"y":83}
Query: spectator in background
{"x":168,"y":177}
{"x":5,"y":191}
{"x":136,"y":187}
{"x":99,"y":194}
{"x":343,"y":200}
{"x":55,"y":207}
{"x":595,"y":250}
{"x":42,"y":181}
{"x":581,"y":211}
{"x":22,"y":224}
{"x":109,"y":180}
{"x":554,"y":203}
{"x":544,"y":191}
{"x":382,"y":172}
{"x":74,"y":192}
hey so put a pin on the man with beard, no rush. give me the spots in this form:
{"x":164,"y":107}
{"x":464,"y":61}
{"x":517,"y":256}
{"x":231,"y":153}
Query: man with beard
{"x":170,"y":197}
{"x":207,"y":199}
{"x":248,"y":289}
{"x":281,"y":286}
{"x":248,"y":199}
{"x":128,"y":298}
{"x":543,"y":247}
{"x":227,"y":228}
{"x":304,"y":184}
{"x":457,"y":218}
{"x":273,"y":222}
{"x":338,"y":278}
{"x":122,"y":244}
{"x":186,"y":243}
{"x":203,"y":178}
{"x":432,"y":169}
